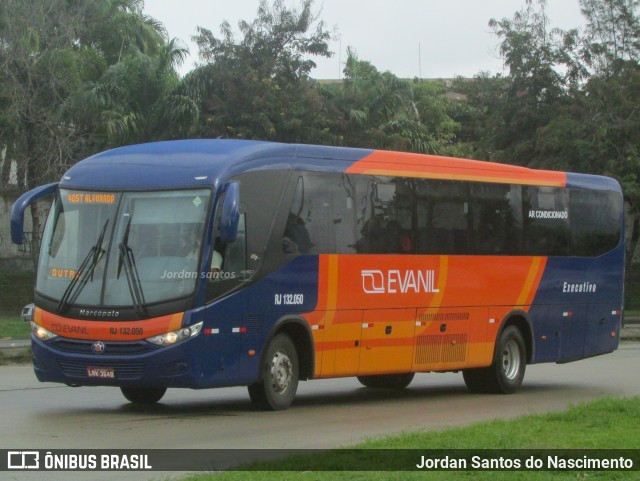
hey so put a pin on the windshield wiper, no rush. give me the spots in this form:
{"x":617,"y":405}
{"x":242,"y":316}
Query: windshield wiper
{"x":127,"y":260}
{"x":82,"y":276}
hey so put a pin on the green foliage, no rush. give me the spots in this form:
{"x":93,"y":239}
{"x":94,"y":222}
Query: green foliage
{"x":258,"y":86}
{"x":138,"y":99}
{"x":77,"y":77}
{"x":612,"y":35}
{"x":607,"y":423}
{"x":531,"y":51}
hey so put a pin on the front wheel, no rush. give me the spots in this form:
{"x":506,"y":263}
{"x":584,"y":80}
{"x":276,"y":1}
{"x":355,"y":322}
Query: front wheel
{"x":279,"y":378}
{"x":506,"y":373}
{"x":143,"y":395}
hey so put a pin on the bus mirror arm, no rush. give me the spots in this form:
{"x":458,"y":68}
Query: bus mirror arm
{"x":230,"y":213}
{"x":20,"y":205}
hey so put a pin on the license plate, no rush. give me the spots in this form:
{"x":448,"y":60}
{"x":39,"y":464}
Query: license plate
{"x":101,"y":372}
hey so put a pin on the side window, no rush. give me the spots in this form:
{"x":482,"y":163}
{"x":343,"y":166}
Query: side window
{"x":595,"y":221}
{"x":227,"y":267}
{"x":443,"y":216}
{"x":321,"y":216}
{"x":546,"y":221}
{"x":234,"y":255}
{"x":497,"y":219}
{"x":384,"y":220}
{"x":235,"y":263}
{"x":303,"y":212}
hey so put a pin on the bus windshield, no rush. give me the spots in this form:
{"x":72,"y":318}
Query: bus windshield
{"x":122,"y":249}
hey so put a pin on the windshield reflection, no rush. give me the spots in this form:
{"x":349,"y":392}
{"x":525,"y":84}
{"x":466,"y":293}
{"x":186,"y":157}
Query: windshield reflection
{"x":150,"y":243}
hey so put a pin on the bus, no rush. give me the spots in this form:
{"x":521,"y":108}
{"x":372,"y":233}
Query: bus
{"x":210,"y":263}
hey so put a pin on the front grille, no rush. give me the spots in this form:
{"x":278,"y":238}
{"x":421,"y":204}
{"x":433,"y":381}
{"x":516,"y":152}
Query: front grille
{"x":85,"y":347}
{"x":123,"y":370}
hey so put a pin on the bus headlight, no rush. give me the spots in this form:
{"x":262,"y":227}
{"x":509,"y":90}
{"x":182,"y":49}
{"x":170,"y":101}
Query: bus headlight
{"x":176,"y":336}
{"x":41,"y":333}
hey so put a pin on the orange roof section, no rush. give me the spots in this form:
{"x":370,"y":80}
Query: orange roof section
{"x":437,"y":167}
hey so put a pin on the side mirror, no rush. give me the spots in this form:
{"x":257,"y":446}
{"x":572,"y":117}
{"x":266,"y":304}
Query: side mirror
{"x":24,"y":201}
{"x":27,"y":312}
{"x":230,"y":217}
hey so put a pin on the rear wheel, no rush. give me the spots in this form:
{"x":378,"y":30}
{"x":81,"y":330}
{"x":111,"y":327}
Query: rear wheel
{"x":387,"y":381}
{"x":279,"y":378}
{"x":143,"y":395}
{"x":506,"y":373}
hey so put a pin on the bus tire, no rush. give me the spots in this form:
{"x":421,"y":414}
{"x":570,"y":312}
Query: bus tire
{"x":506,"y":373}
{"x":143,"y":395}
{"x":279,"y":378}
{"x":387,"y":381}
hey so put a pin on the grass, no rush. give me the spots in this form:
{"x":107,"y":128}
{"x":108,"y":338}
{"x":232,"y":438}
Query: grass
{"x":13,"y":327}
{"x":16,"y":290}
{"x":608,"y":423}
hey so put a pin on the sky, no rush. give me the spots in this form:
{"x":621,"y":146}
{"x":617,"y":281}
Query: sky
{"x":410,"y":38}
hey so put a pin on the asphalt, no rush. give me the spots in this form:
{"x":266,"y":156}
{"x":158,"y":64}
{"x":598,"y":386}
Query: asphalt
{"x":19,"y":350}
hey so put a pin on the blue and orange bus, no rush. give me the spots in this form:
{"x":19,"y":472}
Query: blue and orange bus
{"x":209,"y":263}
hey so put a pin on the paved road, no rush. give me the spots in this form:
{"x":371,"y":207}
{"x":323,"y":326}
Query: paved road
{"x":326,"y":413}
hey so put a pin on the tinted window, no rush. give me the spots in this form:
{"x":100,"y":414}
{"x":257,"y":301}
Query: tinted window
{"x":384,"y":215}
{"x":321,"y":216}
{"x":443,"y":217}
{"x":595,"y":221}
{"x":337,"y":213}
{"x":497,"y":219}
{"x":546,"y":221}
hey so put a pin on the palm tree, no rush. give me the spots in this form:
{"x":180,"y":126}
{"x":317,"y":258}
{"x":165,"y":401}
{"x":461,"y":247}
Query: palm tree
{"x":139,"y":98}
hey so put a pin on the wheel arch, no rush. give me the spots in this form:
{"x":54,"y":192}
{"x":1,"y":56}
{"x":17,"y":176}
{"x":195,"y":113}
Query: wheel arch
{"x":519,"y":319}
{"x":297,"y":328}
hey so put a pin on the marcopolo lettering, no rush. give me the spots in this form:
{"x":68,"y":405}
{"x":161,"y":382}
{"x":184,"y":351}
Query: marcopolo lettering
{"x":99,"y":313}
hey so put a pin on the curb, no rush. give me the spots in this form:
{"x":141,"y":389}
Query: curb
{"x":15,"y":351}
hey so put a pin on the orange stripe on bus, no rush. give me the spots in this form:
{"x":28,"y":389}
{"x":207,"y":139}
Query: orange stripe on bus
{"x":437,"y":167}
{"x":381,"y":342}
{"x":107,"y":330}
{"x":532,"y":281}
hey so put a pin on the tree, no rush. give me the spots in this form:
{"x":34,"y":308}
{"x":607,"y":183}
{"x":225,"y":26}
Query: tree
{"x":50,"y":51}
{"x":480,"y":114}
{"x":39,"y":66}
{"x":612,"y":35}
{"x":533,"y":53}
{"x":51,"y":54}
{"x":138,"y":99}
{"x":377,"y":109}
{"x":258,"y":86}
{"x":611,"y":95}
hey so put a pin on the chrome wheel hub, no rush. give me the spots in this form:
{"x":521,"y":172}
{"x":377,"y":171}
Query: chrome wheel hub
{"x":281,"y":372}
{"x":511,"y":359}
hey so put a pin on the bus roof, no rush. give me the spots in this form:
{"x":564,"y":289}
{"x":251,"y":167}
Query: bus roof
{"x":201,"y":162}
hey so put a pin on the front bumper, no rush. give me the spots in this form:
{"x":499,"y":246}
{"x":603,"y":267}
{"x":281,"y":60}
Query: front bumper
{"x":140,"y":363}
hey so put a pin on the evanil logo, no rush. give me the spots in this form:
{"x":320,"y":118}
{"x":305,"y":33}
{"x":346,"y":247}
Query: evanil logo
{"x":395,"y":281}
